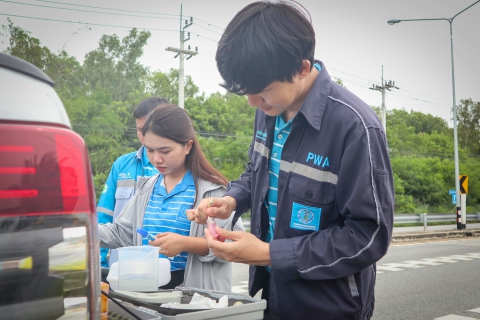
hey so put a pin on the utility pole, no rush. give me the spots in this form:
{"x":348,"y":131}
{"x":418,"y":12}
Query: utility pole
{"x":385,"y":86}
{"x":182,"y":52}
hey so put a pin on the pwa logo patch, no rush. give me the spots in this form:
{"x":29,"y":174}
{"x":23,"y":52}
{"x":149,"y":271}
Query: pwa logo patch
{"x":261,"y":135}
{"x":123,"y":175}
{"x":305,"y":217}
{"x":318,"y":160}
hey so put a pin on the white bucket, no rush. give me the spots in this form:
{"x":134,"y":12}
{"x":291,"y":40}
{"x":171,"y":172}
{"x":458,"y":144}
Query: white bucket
{"x":164,"y":275}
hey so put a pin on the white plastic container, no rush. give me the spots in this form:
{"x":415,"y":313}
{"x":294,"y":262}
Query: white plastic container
{"x":164,"y":275}
{"x":138,"y":268}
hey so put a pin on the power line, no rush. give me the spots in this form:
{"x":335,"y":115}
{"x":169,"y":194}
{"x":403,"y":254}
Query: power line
{"x":421,"y":100}
{"x":204,"y":37}
{"x":85,"y":23}
{"x":105,"y":8}
{"x":363,"y":85}
{"x":207,"y":28}
{"x":123,"y":10}
{"x":376,"y":82}
{"x":421,"y":94}
{"x":157,"y":29}
{"x":209,"y":24}
{"x":168,"y":30}
{"x":81,"y":10}
{"x":109,"y":13}
{"x":100,"y":24}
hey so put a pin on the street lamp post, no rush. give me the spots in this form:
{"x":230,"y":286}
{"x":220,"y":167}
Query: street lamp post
{"x":455,"y":135}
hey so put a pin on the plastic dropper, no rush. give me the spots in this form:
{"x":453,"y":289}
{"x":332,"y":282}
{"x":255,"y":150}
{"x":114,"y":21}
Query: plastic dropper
{"x":144,"y":233}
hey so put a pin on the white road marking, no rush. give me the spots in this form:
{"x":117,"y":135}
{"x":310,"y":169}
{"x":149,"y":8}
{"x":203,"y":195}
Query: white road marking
{"x":428,"y":263}
{"x":415,"y":264}
{"x":454,"y":317}
{"x":401,"y":244}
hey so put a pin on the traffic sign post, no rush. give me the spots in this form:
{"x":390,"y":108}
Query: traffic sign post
{"x":463,"y":184}
{"x":463,"y":205}
{"x":462,"y":215}
{"x":453,"y":193}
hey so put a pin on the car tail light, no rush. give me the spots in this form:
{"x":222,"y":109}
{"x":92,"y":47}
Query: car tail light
{"x":49,"y":261}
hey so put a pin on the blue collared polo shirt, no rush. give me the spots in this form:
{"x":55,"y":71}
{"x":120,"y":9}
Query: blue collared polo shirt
{"x":166,"y":212}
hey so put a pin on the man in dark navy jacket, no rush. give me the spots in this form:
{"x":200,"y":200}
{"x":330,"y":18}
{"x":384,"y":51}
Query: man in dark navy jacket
{"x":319,"y":182}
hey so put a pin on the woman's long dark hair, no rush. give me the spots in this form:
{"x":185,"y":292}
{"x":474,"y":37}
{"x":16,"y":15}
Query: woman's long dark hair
{"x":172,"y":122}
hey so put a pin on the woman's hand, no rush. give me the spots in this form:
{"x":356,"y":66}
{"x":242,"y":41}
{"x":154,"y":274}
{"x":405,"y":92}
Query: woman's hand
{"x":220,"y":208}
{"x":170,"y":244}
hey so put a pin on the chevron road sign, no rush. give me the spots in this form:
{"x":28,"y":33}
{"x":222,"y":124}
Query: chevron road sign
{"x":463,"y":184}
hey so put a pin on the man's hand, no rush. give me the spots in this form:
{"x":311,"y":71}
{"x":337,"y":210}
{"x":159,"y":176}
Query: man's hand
{"x":220,"y":208}
{"x":170,"y":244}
{"x":246,"y":248}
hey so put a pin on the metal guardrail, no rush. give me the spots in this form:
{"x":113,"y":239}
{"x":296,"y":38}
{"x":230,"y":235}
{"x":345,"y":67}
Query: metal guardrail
{"x":432,"y":217}
{"x":412,"y":218}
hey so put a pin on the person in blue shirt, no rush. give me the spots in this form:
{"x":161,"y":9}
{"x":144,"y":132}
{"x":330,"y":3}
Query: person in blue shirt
{"x":127,"y":172}
{"x":319,"y":183}
{"x":162,"y":204}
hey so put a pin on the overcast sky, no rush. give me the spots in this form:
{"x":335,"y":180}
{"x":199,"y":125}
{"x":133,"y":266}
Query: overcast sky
{"x":353,"y":40}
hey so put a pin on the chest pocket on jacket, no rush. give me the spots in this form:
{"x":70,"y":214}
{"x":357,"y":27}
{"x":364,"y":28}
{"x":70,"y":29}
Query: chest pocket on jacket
{"x":312,"y":203}
{"x":122,"y":196}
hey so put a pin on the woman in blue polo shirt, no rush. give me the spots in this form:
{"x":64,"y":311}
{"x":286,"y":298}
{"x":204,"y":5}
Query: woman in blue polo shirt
{"x":161,"y":203}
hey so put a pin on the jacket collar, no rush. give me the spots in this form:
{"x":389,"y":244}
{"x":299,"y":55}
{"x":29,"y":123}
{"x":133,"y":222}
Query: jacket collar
{"x":314,"y":104}
{"x":140,"y":152}
{"x":142,"y":155}
{"x":203,"y":185}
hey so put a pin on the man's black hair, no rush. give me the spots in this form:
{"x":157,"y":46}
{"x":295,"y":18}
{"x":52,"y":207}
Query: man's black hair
{"x":265,"y":42}
{"x":147,"y":105}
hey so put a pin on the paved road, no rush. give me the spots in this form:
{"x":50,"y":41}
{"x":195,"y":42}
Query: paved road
{"x":424,"y":280}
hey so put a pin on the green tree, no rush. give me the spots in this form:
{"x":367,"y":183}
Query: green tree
{"x":229,"y":155}
{"x":224,"y":115}
{"x":64,"y":70}
{"x":420,"y":122}
{"x":404,"y":203}
{"x":114,"y":67}
{"x":94,"y":118}
{"x":468,"y":116}
{"x":24,"y":46}
{"x":165,"y":85}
